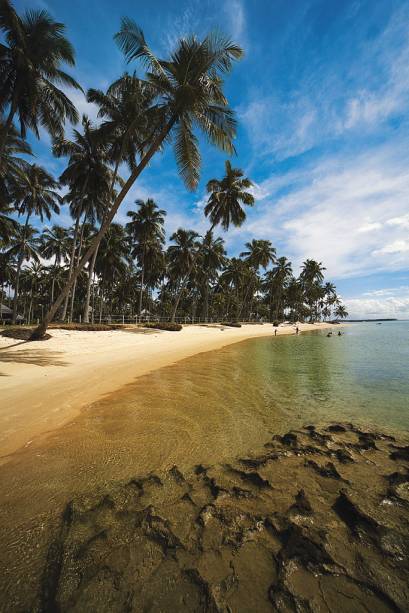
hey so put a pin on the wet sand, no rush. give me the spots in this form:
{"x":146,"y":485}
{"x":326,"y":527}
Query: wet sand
{"x":44,"y":385}
{"x":318,"y":520}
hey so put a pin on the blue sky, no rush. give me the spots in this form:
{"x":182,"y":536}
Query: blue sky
{"x":322,"y":99}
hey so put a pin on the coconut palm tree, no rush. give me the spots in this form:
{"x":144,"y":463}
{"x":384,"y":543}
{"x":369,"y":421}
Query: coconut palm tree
{"x":341,"y":312}
{"x":211,"y":259}
{"x":227,"y":197}
{"x":280,"y":275}
{"x":260,"y":253}
{"x":36,"y":193}
{"x":113,"y":259}
{"x":182,"y":257}
{"x":32,"y":275}
{"x":7,"y":224}
{"x":89,"y":178}
{"x":311,"y":277}
{"x":54,"y":244}
{"x":11,"y":165}
{"x":234,"y":278}
{"x":188,"y":94}
{"x":127,"y":133}
{"x":146,"y":229}
{"x":23,"y":246}
{"x":33,"y":49}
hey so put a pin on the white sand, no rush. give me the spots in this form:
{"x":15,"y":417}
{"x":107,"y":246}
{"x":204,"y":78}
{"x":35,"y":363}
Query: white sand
{"x":45,"y":384}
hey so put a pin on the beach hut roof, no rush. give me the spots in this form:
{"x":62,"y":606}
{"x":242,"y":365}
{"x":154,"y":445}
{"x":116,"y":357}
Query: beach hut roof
{"x":4,"y":310}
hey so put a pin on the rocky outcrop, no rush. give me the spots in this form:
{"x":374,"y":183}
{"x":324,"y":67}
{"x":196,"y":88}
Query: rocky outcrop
{"x":318,"y":521}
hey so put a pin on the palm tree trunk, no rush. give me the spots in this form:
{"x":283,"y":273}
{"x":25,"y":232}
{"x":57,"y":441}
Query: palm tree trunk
{"x":52,"y":290}
{"x":77,"y":259}
{"x":207,"y":300}
{"x":30,"y":307}
{"x":101,"y":302}
{"x":182,"y":289}
{"x":74,"y":245}
{"x":85,"y":316}
{"x":18,"y":270}
{"x":142,"y":282}
{"x":17,"y":287}
{"x":42,"y":328}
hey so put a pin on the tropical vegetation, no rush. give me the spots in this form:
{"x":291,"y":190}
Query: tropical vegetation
{"x":96,"y":269}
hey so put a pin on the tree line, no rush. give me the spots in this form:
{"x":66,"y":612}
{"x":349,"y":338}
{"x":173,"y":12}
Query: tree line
{"x":98,"y":268}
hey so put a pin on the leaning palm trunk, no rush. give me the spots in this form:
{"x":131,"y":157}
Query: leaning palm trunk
{"x":142,"y":282}
{"x":85,"y":316}
{"x":77,"y":259}
{"x":178,"y":297}
{"x":72,"y":259}
{"x":42,"y":328}
{"x":182,"y":289}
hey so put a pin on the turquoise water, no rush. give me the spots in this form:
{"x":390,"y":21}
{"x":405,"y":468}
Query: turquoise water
{"x":362,"y":375}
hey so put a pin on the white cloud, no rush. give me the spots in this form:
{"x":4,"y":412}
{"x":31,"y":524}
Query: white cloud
{"x":341,"y":211}
{"x":398,"y":246}
{"x":370,"y":227}
{"x":394,"y":304}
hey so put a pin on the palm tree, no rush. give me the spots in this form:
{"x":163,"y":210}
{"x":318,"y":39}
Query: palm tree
{"x":7,"y":224}
{"x":113,"y":258}
{"x":11,"y":166}
{"x":182,"y":256}
{"x":188,"y":92}
{"x":36,"y":193}
{"x":33,"y":274}
{"x":126,"y":132}
{"x":341,"y":312}
{"x":89,"y":178}
{"x":311,"y":278}
{"x":54,"y":244}
{"x":33,"y":49}
{"x":280,"y":275}
{"x":212,"y":257}
{"x":6,"y":274}
{"x":24,"y":246}
{"x":260,"y":253}
{"x":227,"y":197}
{"x":146,"y":228}
{"x":234,"y":278}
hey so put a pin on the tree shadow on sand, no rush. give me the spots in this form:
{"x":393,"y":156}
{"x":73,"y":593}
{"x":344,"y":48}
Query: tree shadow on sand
{"x":37,"y":357}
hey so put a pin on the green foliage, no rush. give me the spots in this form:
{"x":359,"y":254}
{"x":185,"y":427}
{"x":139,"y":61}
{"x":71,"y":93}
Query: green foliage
{"x":164,"y":325}
{"x":276,"y":323}
{"x":232,"y":324}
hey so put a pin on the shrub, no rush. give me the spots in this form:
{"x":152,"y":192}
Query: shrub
{"x":233,"y":324}
{"x":276,"y":323}
{"x":21,"y":333}
{"x":86,"y":327}
{"x":164,"y":325}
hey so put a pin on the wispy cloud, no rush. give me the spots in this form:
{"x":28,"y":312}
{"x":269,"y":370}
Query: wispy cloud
{"x":329,"y":101}
{"x":347,"y":211}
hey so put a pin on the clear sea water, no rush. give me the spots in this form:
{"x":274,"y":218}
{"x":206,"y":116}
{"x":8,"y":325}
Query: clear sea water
{"x":205,"y":409}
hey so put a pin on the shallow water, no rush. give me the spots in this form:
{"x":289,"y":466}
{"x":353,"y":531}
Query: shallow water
{"x":204,"y":409}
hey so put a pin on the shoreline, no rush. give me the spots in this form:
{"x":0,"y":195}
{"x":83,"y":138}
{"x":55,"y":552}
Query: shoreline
{"x":45,"y":384}
{"x":286,"y":524}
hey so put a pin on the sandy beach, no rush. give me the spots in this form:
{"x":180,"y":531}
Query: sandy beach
{"x":45,"y":384}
